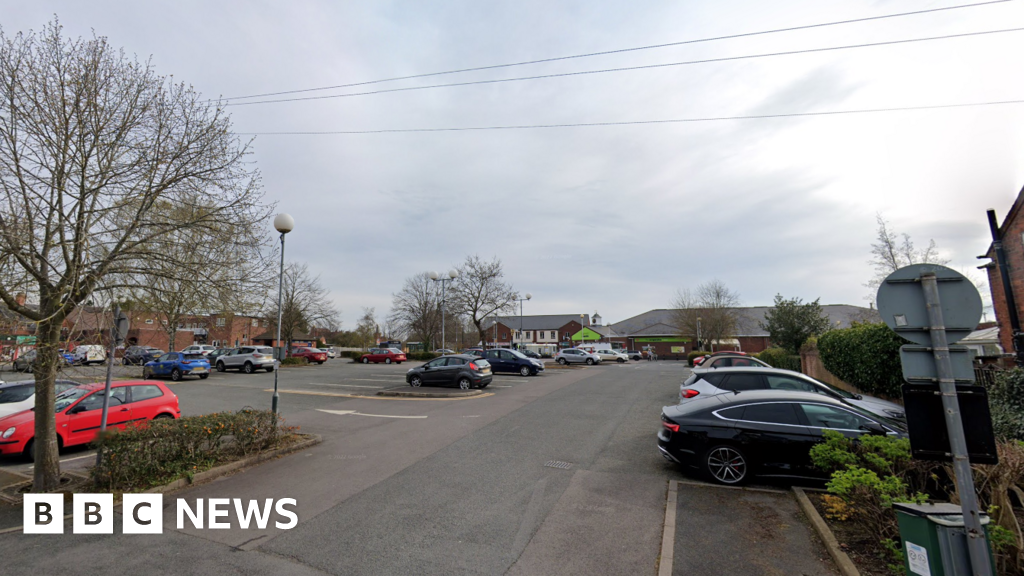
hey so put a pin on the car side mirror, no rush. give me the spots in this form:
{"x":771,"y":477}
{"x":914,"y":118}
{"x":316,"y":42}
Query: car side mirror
{"x":873,"y":428}
{"x":77,"y":409}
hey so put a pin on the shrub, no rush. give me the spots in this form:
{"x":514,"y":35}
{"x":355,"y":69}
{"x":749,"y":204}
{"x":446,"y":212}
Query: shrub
{"x":866,"y":356}
{"x":1006,"y":402}
{"x":423,"y":356}
{"x":294,"y":361}
{"x":695,"y":354}
{"x":779,"y":358}
{"x":160,"y":451}
{"x":353,"y":354}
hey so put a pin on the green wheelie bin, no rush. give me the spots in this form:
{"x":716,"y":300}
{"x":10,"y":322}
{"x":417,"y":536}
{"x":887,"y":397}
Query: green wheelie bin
{"x":935,"y":540}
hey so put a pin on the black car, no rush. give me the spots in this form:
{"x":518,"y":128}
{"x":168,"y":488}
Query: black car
{"x":731,"y":437}
{"x":513,"y":361}
{"x":462,"y":370}
{"x":139,"y":355}
{"x":530,"y":354}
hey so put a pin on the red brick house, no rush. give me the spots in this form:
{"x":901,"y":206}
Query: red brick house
{"x":1011,"y":231}
{"x":543,"y":331}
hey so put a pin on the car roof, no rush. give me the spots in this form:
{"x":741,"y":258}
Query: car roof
{"x":755,"y":369}
{"x":23,"y":382}
{"x":463,"y":356}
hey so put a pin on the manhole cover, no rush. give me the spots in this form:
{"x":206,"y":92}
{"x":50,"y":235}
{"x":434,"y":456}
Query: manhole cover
{"x":558,"y":464}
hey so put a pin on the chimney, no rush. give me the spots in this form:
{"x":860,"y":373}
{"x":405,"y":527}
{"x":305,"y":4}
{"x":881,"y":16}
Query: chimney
{"x":20,"y":298}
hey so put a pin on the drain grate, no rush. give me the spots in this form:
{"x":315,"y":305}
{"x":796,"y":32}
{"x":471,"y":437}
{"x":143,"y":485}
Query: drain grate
{"x":558,"y":464}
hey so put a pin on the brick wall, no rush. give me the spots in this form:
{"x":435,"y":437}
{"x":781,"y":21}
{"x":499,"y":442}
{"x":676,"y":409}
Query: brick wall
{"x":1013,"y":247}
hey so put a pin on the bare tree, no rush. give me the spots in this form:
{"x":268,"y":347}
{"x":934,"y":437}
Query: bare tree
{"x":416,"y":308}
{"x":366,"y":331}
{"x":707,"y":312}
{"x":94,"y":147}
{"x":894,"y":251}
{"x":480,"y":292}
{"x":304,"y":303}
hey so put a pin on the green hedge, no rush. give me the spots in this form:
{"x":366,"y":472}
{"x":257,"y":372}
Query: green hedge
{"x":354,"y":354}
{"x":1006,"y":402}
{"x":695,"y":354}
{"x":423,"y":356}
{"x":295,"y":361}
{"x":160,"y":451}
{"x":779,"y":358}
{"x":866,"y":356}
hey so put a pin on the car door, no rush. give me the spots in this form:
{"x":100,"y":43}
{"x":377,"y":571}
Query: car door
{"x":160,"y":366}
{"x":776,"y":438}
{"x":433,"y":371}
{"x":145,"y":400}
{"x":84,"y":417}
{"x":509,"y":360}
{"x":821,"y":417}
{"x":494,"y":358}
{"x":452,"y":369}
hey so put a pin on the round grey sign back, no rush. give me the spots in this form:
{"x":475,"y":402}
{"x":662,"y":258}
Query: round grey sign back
{"x":902,"y":305}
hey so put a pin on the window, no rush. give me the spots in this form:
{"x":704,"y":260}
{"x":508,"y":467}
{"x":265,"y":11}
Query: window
{"x":740,"y":382}
{"x":504,"y":336}
{"x":95,"y":401}
{"x":492,"y":354}
{"x":731,"y":413}
{"x":506,"y":355}
{"x":220,"y":321}
{"x":246,"y":351}
{"x":255,"y":322}
{"x":140,"y":393}
{"x":149,"y":320}
{"x":553,"y":334}
{"x":821,"y":416}
{"x":436,"y":362}
{"x":773,"y":413}
{"x":790,"y":383}
{"x":17,"y":393}
{"x":456,"y":361}
{"x":165,"y":358}
{"x":527,"y":333}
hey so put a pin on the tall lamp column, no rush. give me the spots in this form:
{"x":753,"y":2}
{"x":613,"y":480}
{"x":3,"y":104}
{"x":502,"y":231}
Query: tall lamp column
{"x":521,"y":300}
{"x":284,"y":224}
{"x":452,"y":275}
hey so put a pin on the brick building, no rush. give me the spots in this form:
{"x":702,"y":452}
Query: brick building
{"x":1011,"y":231}
{"x":550,"y":331}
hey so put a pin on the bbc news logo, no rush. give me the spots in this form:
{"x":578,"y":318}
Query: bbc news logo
{"x":144,"y":513}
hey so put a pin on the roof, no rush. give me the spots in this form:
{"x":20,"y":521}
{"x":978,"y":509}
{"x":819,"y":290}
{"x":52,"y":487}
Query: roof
{"x":544,"y":322}
{"x":983,"y":336}
{"x":659,"y":322}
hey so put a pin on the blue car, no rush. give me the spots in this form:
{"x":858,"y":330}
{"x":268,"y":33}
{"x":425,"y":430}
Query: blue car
{"x":177,"y":365}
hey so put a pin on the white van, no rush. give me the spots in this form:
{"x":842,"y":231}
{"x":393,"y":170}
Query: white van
{"x":89,"y":354}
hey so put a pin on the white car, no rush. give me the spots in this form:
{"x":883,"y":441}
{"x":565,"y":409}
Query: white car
{"x":19,"y":396}
{"x":89,"y":354}
{"x":198,"y":349}
{"x":576,"y":356}
{"x":609,"y":355}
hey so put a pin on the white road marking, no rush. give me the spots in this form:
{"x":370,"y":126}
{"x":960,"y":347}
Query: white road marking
{"x":93,"y":455}
{"x":354,"y":413}
{"x":474,"y":416}
{"x":502,"y":386}
{"x":344,"y":385}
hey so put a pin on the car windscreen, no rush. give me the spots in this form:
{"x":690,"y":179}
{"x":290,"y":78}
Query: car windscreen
{"x":65,"y":399}
{"x":394,"y":350}
{"x":839,"y":391}
{"x":10,"y":394}
{"x":267,"y":351}
{"x":194,"y":357}
{"x":519,"y":354}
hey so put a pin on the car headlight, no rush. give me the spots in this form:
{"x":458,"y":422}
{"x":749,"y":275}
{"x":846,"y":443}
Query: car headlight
{"x":8,"y":433}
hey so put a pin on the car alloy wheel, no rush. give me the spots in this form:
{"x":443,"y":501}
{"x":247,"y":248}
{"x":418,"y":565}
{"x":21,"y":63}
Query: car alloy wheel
{"x":124,"y":361}
{"x":220,"y":367}
{"x":366,"y":360}
{"x":387,"y":360}
{"x":176,"y":375}
{"x":415,"y":381}
{"x":247,"y":368}
{"x":562,"y":361}
{"x":621,"y":360}
{"x":590,"y":361}
{"x":524,"y":371}
{"x":465,"y":383}
{"x":726,"y":465}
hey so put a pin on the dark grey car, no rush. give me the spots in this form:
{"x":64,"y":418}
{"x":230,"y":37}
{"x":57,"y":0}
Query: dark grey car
{"x":462,"y":370}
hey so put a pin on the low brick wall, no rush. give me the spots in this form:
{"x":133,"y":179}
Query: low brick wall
{"x":810,"y":364}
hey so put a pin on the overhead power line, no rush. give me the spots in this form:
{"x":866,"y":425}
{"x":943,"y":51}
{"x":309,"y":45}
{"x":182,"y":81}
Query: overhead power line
{"x":623,"y":50}
{"x":641,"y":122}
{"x":630,"y":68}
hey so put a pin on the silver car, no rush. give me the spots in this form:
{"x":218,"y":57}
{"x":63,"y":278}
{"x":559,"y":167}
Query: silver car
{"x":576,"y":356}
{"x":706,"y":382}
{"x":248,"y":359}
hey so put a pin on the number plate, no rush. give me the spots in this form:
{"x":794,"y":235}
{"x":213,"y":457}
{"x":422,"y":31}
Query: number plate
{"x":198,"y":370}
{"x":486,"y":370}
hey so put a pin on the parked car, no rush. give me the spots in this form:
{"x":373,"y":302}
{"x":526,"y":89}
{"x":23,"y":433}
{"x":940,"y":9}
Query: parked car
{"x":25,"y":362}
{"x":310,"y":354}
{"x":462,"y":370}
{"x":385,"y":355}
{"x":576,"y":356}
{"x":444,"y":351}
{"x":139,"y":355}
{"x":212,"y":356}
{"x":502,"y":360}
{"x":530,"y":354}
{"x":86,"y":354}
{"x":69,"y":358}
{"x":79,"y":409}
{"x":248,"y":359}
{"x":634,"y":354}
{"x":331,"y":353}
{"x":609,"y":355}
{"x":700,"y":359}
{"x":177,"y":365}
{"x":478,"y":352}
{"x":715,"y":381}
{"x":728,"y":360}
{"x":203,"y":349}
{"x":21,"y":395}
{"x":731,"y":437}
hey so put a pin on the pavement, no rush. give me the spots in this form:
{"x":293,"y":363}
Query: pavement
{"x":555,"y":474}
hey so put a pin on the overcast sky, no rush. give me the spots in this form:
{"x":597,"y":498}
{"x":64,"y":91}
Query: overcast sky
{"x":610,"y":219}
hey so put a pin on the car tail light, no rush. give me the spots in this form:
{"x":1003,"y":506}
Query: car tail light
{"x":473,"y":366}
{"x":689,"y":393}
{"x":671,"y":426}
{"x":186,"y":361}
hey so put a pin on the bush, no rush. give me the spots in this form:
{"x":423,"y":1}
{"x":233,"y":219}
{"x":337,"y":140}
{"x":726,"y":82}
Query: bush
{"x":866,"y":356}
{"x":423,"y":356}
{"x":779,"y":358}
{"x":1006,"y":402}
{"x":294,"y":361}
{"x":160,"y":451}
{"x":353,"y":354}
{"x":695,"y":354}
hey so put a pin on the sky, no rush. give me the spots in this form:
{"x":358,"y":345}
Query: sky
{"x":608,"y":219}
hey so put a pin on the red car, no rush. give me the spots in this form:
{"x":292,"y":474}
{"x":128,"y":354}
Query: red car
{"x":385,"y":355}
{"x":79,"y":410}
{"x":310,"y":354}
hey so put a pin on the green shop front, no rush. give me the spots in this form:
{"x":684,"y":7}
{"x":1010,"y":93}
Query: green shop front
{"x":666,"y":347}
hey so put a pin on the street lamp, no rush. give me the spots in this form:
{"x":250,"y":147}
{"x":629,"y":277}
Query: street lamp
{"x":528,"y":296}
{"x":583,"y":335}
{"x":699,"y":343}
{"x":284,"y":224}
{"x":452,"y":275}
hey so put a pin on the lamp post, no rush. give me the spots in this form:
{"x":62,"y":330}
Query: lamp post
{"x":583,"y":335}
{"x":284,"y":224}
{"x":699,"y":343}
{"x":521,"y":300}
{"x":452,"y":275}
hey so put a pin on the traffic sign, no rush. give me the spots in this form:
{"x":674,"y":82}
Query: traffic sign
{"x":919,"y":364}
{"x":901,"y":303}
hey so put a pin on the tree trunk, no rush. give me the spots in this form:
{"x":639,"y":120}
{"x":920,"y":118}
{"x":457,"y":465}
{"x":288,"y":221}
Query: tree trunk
{"x":482,"y":332}
{"x":46,"y":476}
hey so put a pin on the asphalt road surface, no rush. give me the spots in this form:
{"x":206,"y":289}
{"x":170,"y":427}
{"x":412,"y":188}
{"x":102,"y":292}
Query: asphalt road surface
{"x":555,"y":474}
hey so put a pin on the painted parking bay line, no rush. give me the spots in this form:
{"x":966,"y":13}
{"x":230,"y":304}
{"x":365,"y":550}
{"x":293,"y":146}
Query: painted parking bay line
{"x":390,"y":398}
{"x":354,"y":413}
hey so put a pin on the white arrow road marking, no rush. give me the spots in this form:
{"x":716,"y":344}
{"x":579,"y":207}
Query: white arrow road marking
{"x":354,"y":413}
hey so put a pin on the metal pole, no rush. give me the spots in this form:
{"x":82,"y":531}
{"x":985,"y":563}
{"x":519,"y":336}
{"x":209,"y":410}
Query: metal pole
{"x":106,"y":387}
{"x":520,"y":324}
{"x":442,"y":314}
{"x":976,"y":545}
{"x":280,"y":315}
